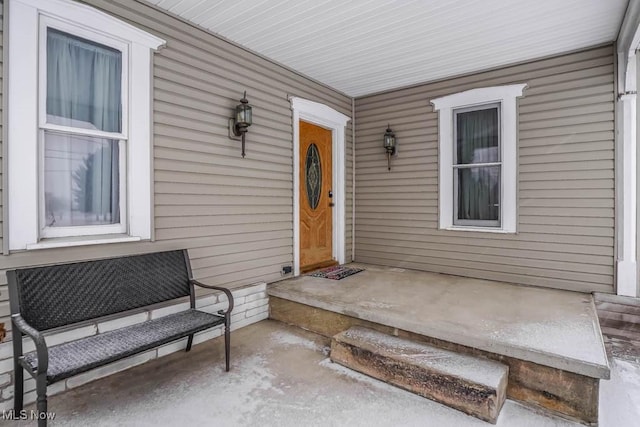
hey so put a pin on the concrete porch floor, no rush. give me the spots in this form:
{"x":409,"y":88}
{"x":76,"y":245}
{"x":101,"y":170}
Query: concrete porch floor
{"x":549,"y":327}
{"x":281,"y":376}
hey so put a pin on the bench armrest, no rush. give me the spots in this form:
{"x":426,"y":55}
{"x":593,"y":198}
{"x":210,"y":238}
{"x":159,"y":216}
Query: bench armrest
{"x":218,"y":288}
{"x":41,"y":346}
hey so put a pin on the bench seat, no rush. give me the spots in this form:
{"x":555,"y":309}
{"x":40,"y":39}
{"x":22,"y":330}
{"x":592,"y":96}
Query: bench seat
{"x":75,"y":357}
{"x":45,"y":299}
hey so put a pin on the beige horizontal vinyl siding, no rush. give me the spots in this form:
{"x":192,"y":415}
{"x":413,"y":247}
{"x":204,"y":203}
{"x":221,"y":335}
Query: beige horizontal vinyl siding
{"x":1,"y":122}
{"x":4,"y":304}
{"x":234,"y":215}
{"x":565,"y":221}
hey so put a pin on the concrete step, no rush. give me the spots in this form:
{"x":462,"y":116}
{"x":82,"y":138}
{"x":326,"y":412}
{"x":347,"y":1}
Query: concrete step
{"x":472,"y":385}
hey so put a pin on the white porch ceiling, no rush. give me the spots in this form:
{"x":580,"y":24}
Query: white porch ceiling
{"x":361,"y":47}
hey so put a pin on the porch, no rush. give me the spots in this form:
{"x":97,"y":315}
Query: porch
{"x":281,"y":376}
{"x":550,"y":339}
{"x":570,"y":210}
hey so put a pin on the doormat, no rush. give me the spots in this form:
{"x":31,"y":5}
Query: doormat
{"x":336,"y":273}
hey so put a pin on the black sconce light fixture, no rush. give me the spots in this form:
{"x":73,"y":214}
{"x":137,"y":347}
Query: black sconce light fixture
{"x":240,"y":122}
{"x":389,"y":144}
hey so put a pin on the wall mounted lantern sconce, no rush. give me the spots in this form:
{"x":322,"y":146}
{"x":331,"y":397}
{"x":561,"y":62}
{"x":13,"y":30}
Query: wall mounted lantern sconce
{"x":240,"y":122}
{"x":389,"y":144}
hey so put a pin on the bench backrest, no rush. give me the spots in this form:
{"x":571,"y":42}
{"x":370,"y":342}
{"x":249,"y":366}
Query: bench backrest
{"x":59,"y":295}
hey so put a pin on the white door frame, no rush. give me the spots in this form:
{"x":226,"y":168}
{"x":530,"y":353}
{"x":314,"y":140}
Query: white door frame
{"x":326,"y":117}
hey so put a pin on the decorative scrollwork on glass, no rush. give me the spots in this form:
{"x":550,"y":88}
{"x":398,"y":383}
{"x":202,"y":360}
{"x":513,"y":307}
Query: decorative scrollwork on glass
{"x":313,"y":173}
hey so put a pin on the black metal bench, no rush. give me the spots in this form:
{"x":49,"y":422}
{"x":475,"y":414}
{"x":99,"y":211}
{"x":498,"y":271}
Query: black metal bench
{"x":46,"y":298}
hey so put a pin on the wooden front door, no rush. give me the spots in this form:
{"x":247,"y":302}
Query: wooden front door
{"x":316,"y":197}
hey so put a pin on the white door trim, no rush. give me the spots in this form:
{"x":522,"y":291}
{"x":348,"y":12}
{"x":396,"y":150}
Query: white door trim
{"x":326,"y":117}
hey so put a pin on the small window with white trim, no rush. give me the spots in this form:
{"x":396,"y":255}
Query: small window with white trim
{"x":79,"y":126}
{"x":477,"y":165}
{"x":477,"y":171}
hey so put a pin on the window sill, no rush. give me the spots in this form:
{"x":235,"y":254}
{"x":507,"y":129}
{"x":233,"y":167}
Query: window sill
{"x":65,"y":242}
{"x":479,"y":229}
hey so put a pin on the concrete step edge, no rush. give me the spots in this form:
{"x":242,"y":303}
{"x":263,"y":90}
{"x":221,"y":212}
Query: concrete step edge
{"x":472,"y":385}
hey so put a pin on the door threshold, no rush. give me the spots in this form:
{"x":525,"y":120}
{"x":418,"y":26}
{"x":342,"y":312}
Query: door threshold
{"x":318,"y":266}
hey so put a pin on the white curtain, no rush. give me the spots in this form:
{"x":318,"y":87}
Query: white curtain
{"x":477,"y":143}
{"x":83,"y":91}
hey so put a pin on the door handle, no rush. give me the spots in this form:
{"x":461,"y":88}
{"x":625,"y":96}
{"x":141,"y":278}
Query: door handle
{"x":330,"y":197}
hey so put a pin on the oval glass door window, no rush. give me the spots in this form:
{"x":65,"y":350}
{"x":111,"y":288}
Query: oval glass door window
{"x":313,"y":174}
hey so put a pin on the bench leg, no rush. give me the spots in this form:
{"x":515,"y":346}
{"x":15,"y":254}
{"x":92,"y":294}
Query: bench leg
{"x":18,"y":372}
{"x":189,"y":342}
{"x":227,"y":341}
{"x":18,"y":384}
{"x":41,"y":404}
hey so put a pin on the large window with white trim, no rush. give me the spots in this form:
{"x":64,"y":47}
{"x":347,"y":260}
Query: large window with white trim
{"x":477,"y":173}
{"x":82,"y":133}
{"x":79,"y":126}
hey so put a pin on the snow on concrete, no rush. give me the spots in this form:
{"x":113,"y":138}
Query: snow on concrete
{"x":280,"y":377}
{"x":620,"y":396}
{"x":288,"y":339}
{"x":375,"y":304}
{"x":550,"y":335}
{"x":513,"y":414}
{"x":480,"y":371}
{"x":546,"y":326}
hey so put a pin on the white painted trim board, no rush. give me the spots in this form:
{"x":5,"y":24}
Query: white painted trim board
{"x":324,"y":116}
